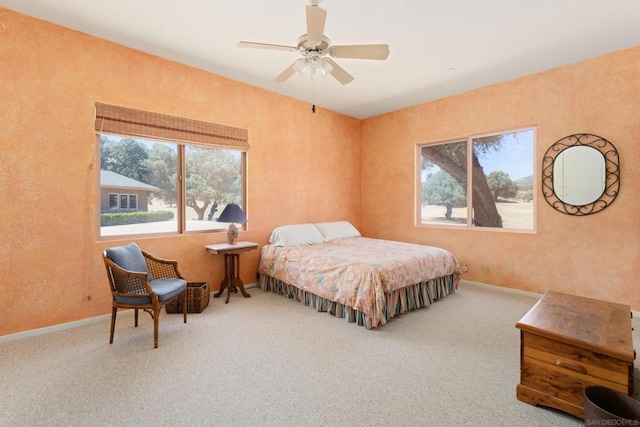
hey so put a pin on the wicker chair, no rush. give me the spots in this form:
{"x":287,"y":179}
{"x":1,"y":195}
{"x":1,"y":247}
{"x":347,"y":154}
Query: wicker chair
{"x":141,"y":281}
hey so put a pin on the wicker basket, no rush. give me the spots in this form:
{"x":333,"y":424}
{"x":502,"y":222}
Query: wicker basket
{"x":197,"y":299}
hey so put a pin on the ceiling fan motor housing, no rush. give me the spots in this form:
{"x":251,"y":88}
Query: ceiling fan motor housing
{"x":305,"y":45}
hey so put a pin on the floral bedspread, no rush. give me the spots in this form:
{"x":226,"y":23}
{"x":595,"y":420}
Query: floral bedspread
{"x":357,"y":271}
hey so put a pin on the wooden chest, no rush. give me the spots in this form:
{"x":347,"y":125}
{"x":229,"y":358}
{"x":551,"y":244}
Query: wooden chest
{"x":568,"y":343}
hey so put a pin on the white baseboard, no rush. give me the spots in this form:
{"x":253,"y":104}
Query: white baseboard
{"x":61,"y":327}
{"x":75,"y":324}
{"x":500,"y":288}
{"x":516,"y":291}
{"x":107,"y":317}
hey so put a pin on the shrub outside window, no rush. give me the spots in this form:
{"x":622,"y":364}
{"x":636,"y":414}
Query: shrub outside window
{"x":480,"y":181}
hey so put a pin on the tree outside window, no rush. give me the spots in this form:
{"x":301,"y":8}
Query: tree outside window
{"x":480,"y":181}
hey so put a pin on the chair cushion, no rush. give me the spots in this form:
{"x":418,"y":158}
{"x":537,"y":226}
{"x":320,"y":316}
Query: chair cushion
{"x":164,"y":288}
{"x":130,"y":258}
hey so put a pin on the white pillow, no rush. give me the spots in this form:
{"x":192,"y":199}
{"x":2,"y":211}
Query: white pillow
{"x":296,"y":235}
{"x":337,"y":230}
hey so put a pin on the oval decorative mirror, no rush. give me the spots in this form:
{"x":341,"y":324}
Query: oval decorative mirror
{"x":581,"y":174}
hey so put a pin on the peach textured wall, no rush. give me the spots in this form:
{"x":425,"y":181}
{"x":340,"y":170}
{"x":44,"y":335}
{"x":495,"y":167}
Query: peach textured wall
{"x":595,"y":256}
{"x":301,"y":167}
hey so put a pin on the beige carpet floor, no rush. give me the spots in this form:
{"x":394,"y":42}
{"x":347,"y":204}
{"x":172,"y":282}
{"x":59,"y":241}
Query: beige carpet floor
{"x":270,"y":361}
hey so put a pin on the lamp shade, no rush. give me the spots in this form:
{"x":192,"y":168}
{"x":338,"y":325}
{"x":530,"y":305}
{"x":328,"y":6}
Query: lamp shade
{"x":232,"y":213}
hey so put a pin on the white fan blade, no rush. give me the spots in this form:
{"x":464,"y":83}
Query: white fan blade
{"x":362,"y":51}
{"x":316,"y":17}
{"x":253,"y":45}
{"x":338,"y":72}
{"x":283,"y":76}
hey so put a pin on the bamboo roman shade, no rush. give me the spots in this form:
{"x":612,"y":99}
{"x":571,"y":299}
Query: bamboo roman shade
{"x":129,"y":121}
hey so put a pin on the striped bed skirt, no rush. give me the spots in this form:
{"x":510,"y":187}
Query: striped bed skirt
{"x":397,"y":302}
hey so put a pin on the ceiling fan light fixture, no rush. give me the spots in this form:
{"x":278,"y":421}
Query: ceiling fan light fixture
{"x":312,"y":67}
{"x":300,"y":66}
{"x":320,"y":71}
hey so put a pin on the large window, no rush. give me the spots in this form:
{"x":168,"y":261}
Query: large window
{"x":164,"y":174}
{"x":481,"y":181}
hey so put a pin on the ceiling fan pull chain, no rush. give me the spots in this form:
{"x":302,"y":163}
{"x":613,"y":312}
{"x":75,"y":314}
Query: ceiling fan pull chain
{"x":313,"y":98}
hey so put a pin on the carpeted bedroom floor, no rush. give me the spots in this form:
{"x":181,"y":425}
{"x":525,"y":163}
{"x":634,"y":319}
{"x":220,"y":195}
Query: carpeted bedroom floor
{"x":270,"y":361}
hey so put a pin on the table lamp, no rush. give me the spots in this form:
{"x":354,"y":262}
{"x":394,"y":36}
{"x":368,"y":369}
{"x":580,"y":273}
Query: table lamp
{"x":232,"y":213}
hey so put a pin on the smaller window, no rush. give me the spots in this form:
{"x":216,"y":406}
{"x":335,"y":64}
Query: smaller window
{"x":133,"y":201}
{"x":113,"y":201}
{"x":123,"y":202}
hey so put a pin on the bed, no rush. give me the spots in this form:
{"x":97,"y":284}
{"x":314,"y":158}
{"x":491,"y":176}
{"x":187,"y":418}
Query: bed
{"x":331,"y":267}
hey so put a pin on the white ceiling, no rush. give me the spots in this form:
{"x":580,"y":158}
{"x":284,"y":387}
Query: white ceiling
{"x":438,"y":47}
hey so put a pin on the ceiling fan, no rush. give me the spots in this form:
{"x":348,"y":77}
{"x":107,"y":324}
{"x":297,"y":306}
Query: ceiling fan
{"x":317,"y":50}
